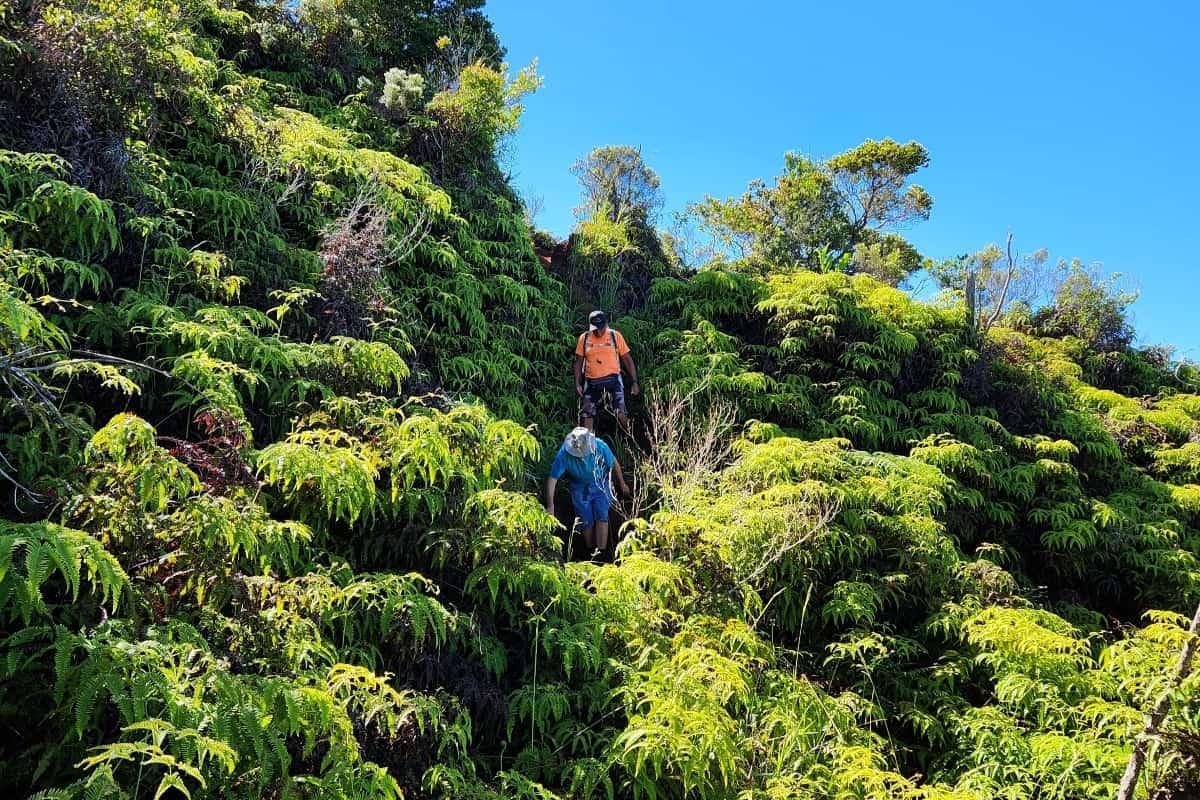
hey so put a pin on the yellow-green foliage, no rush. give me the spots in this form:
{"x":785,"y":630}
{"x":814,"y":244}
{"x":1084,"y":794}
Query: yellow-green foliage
{"x":929,"y":446}
{"x":426,"y":460}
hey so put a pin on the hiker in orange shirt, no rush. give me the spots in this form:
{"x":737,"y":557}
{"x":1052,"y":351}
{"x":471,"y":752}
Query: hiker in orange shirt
{"x":599,"y":355}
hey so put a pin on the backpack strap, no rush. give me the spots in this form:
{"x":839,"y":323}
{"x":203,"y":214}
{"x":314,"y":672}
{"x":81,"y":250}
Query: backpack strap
{"x":620,"y":378}
{"x":585,"y":347}
{"x":612,"y":337}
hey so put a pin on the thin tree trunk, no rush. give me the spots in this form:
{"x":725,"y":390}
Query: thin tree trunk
{"x":1154,"y":720}
{"x":972,"y":297}
{"x":1008,"y":276}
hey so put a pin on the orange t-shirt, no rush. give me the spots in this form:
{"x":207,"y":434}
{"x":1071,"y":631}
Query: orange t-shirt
{"x":602,"y":359}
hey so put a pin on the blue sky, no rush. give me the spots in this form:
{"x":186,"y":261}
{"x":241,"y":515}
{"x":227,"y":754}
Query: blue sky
{"x":1074,"y":125}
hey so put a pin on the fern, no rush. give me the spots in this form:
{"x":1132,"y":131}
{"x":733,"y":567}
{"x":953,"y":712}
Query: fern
{"x":32,"y":554}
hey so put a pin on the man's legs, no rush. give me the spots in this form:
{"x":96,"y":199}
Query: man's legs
{"x":601,"y":536}
{"x":600,"y":504}
{"x":589,"y":538}
{"x":619,"y":406}
{"x":587,"y":409}
{"x":587,"y":519}
{"x":593,"y":398}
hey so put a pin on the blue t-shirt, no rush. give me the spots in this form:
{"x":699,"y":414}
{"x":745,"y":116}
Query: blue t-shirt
{"x":589,"y":470}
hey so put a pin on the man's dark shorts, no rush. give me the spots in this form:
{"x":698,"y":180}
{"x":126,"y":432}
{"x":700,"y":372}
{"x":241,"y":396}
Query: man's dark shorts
{"x":593,"y":395}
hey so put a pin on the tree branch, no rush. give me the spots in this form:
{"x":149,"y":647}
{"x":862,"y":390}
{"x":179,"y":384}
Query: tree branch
{"x":1012,"y":268}
{"x":1158,"y":714}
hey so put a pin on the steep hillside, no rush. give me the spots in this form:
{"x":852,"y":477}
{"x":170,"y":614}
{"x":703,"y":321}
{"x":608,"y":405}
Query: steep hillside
{"x":279,"y":370}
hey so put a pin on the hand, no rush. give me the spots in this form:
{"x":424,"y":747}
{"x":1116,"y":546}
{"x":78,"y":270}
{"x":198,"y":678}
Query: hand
{"x":579,"y":389}
{"x":550,"y":509}
{"x":624,"y":488}
{"x":634,"y":389}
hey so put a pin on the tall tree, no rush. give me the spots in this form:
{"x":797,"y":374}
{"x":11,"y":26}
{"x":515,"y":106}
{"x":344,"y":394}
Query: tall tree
{"x":830,"y":214}
{"x":617,"y":182}
{"x":367,"y":37}
{"x":871,"y":182}
{"x":616,"y":251}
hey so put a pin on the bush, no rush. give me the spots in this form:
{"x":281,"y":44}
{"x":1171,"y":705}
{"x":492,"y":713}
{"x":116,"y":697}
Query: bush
{"x":402,"y":92}
{"x":483,"y":108}
{"x":1091,"y":308}
{"x":355,"y":248}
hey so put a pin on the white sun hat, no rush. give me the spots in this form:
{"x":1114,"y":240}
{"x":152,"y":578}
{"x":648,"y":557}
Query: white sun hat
{"x":580,"y":442}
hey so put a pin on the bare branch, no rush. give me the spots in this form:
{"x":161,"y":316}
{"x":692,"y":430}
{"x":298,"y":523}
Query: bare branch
{"x":1008,"y":276}
{"x":805,"y":516}
{"x":687,"y":445}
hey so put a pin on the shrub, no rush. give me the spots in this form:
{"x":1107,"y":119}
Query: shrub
{"x":402,"y":92}
{"x":1091,"y":308}
{"x":355,"y":248}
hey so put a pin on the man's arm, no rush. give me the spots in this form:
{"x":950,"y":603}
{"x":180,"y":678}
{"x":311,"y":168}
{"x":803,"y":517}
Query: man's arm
{"x":621,"y":484}
{"x":579,"y":375}
{"x":558,"y":468}
{"x":627,"y":363}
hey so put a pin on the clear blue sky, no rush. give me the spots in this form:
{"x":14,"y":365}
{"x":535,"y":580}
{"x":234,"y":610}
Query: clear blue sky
{"x":1075,"y":125}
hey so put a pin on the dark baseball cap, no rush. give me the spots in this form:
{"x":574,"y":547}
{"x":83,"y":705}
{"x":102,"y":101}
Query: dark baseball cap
{"x":597,"y":320}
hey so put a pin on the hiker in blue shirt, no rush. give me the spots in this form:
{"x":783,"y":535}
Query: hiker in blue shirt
{"x":587,"y":462}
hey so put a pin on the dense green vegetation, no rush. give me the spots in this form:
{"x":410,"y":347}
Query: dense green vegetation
{"x":280,"y":368}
